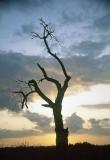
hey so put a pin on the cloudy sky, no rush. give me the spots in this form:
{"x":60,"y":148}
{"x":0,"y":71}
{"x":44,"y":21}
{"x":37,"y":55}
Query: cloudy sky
{"x":83,"y":32}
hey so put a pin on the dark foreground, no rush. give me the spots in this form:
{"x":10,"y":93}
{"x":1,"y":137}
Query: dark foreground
{"x":83,"y":151}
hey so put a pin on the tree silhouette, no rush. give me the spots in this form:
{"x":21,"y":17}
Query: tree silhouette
{"x":56,"y":106}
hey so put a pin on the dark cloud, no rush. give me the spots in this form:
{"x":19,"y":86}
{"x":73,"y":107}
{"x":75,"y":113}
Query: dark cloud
{"x":85,"y":11}
{"x":89,"y":71}
{"x":90,"y":48}
{"x":97,"y":106}
{"x":25,"y":29}
{"x":106,"y":2}
{"x":101,"y":4}
{"x":85,"y":71}
{"x":11,"y":69}
{"x":75,"y":123}
{"x":103,"y":23}
{"x":22,"y":4}
{"x":42,"y":122}
{"x":71,"y":17}
{"x":99,"y":127}
{"x":15,"y":66}
{"x":8,"y":101}
{"x":17,"y":133}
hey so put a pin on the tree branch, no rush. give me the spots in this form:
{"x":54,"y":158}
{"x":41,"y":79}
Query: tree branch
{"x":48,"y":32}
{"x":41,"y":94}
{"x":35,"y":35}
{"x":46,"y":105}
{"x":48,"y":78}
{"x":65,"y":86}
{"x":56,"y":57}
{"x":25,"y":96}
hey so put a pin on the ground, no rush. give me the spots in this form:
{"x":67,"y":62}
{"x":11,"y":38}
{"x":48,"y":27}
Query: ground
{"x":84,"y":151}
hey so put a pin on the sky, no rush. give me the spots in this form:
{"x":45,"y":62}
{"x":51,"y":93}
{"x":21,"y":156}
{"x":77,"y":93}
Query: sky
{"x":83,"y":32}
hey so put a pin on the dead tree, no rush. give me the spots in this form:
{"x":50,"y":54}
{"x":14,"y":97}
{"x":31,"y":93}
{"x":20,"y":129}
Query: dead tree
{"x":56,"y":106}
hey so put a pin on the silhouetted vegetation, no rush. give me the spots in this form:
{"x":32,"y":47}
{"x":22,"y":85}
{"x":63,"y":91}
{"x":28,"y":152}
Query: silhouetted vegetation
{"x":79,"y":151}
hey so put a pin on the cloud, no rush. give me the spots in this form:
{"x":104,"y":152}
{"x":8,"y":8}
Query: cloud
{"x":28,"y":124}
{"x":85,"y":71}
{"x":4,"y":133}
{"x":84,"y":11}
{"x":22,"y":3}
{"x":97,"y":106}
{"x":89,"y":31}
{"x":25,"y":29}
{"x":89,"y":71}
{"x":42,"y":122}
{"x":71,"y":17}
{"x":91,"y":48}
{"x":99,"y":127}
{"x":74,"y":123}
{"x":12,"y":67}
{"x":104,"y":2}
{"x":103,"y":23}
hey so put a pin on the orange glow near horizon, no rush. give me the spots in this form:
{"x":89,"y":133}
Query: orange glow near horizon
{"x":49,"y":140}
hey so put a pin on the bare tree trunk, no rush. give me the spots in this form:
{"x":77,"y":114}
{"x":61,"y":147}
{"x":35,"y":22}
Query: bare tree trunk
{"x":61,"y":132}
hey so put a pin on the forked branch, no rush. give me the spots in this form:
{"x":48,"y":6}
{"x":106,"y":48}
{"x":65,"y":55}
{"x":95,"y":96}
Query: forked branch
{"x":24,"y":97}
{"x":41,"y":94}
{"x":33,"y":84}
{"x":49,"y":78}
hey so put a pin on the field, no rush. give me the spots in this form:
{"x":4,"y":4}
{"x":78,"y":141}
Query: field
{"x":80,"y":151}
